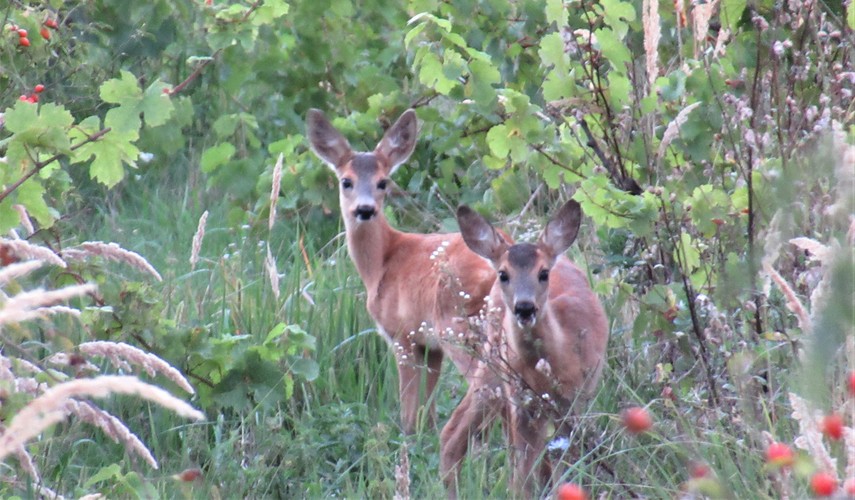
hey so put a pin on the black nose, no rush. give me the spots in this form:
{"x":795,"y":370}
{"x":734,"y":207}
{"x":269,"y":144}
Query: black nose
{"x":364,"y":212}
{"x":525,"y":310}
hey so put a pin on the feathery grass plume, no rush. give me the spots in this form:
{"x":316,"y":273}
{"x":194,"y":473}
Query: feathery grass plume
{"x":92,"y":496}
{"x":274,"y":191}
{"x":120,"y":354}
{"x":402,"y":474}
{"x":652,"y":33}
{"x":701,"y":14}
{"x":18,"y":269}
{"x":112,"y":427}
{"x":673,"y":129}
{"x":849,"y":446}
{"x":25,"y":460}
{"x":720,"y":41}
{"x":792,"y":301}
{"x":810,"y":437}
{"x":51,"y":407}
{"x":844,"y":173}
{"x":272,"y":274}
{"x":197,"y":240}
{"x":112,"y":251}
{"x":25,"y":219}
{"x":24,"y":250}
{"x":33,"y":304}
{"x":817,"y":250}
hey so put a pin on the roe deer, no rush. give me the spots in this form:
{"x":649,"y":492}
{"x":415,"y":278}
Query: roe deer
{"x":547,"y":336}
{"x":406,"y":289}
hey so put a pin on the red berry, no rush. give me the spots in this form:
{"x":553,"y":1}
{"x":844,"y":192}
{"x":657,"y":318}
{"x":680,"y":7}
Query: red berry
{"x":51,"y":23}
{"x":24,"y":41}
{"x":780,"y":455}
{"x":188,"y":475}
{"x":22,"y":33}
{"x":38,"y":89}
{"x":33,"y":98}
{"x":852,"y":383}
{"x":13,"y":27}
{"x":698,"y":470}
{"x":637,"y":420}
{"x":45,"y":33}
{"x":832,"y":426}
{"x":23,"y":98}
{"x":849,"y":487}
{"x":823,"y":484}
{"x":570,"y":491}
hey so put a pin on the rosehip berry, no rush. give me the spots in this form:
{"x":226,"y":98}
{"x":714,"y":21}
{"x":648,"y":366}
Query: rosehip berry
{"x":22,"y":33}
{"x":852,"y":383}
{"x":832,"y":426}
{"x":45,"y":33}
{"x":33,"y":98}
{"x":637,"y":420}
{"x":38,"y":89}
{"x":24,"y":42}
{"x":13,"y":27}
{"x":698,"y":470}
{"x":823,"y":484}
{"x":570,"y":491}
{"x":849,"y":487}
{"x":51,"y":23}
{"x":23,"y":98}
{"x":188,"y":475}
{"x":780,"y":455}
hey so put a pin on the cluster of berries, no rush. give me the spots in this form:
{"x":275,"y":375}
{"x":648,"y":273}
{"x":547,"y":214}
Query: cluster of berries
{"x":34,"y":96}
{"x":23,"y":36}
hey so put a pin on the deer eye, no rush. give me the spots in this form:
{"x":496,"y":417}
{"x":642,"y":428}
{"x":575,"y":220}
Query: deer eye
{"x":543,"y":275}
{"x":503,"y":276}
{"x":346,"y":183}
{"x":382,"y":184}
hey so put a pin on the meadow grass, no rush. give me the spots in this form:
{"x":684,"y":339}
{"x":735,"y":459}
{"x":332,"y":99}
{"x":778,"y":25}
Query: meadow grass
{"x":338,"y":435}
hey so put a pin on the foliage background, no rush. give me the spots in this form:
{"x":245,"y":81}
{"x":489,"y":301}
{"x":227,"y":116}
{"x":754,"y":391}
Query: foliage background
{"x":697,"y":157}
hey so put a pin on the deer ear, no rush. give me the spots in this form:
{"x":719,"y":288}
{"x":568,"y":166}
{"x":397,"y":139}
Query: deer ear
{"x":399,"y":141}
{"x":327,"y":143}
{"x":562,"y":229}
{"x":479,"y":235}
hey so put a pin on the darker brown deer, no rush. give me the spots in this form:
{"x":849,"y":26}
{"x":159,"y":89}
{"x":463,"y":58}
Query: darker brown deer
{"x":547,"y":336}
{"x":411,"y":280}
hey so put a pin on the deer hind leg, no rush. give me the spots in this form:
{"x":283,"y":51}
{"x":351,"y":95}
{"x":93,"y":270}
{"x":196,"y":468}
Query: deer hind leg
{"x":418,"y":369}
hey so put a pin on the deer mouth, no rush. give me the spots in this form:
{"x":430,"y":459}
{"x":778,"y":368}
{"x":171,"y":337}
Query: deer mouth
{"x":526,"y":314}
{"x":364,"y":214}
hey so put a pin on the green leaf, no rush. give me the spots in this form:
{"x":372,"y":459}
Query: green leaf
{"x":552,"y":52}
{"x":306,"y":368}
{"x":483,"y":76}
{"x":215,"y":156}
{"x":413,"y":33}
{"x":731,"y":13}
{"x":556,"y":13}
{"x":617,"y":14}
{"x":109,"y":472}
{"x":46,"y":126}
{"x":619,"y":89}
{"x":613,"y":49}
{"x":850,"y":15}
{"x":110,"y":153}
{"x":497,"y":140}
{"x":689,"y":256}
{"x":31,"y":195}
{"x":156,"y":106}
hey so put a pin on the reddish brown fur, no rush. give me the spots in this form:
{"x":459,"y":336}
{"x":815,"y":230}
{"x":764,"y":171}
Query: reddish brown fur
{"x":570,"y":334}
{"x":404,"y":286}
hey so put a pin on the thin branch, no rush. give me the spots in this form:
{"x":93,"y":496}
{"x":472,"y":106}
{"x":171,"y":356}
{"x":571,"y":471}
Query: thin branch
{"x":42,"y":164}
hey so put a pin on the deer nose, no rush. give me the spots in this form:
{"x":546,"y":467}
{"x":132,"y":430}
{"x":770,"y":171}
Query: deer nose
{"x":525,"y":311}
{"x":364,"y":212}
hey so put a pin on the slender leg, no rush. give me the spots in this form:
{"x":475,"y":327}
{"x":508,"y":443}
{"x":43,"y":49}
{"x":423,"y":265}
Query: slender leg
{"x":410,"y":371}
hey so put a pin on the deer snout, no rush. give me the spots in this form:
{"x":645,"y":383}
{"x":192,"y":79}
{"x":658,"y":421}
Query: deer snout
{"x":526,"y":313}
{"x":365,"y":212}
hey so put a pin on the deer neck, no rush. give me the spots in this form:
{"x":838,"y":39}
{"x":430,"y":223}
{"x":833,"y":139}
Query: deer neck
{"x":369,"y":243}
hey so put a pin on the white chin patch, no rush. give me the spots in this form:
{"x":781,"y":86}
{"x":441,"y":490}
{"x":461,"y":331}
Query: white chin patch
{"x":528,"y":323}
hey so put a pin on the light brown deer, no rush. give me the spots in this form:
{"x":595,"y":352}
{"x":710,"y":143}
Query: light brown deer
{"x":547,"y":336}
{"x":410,"y":279}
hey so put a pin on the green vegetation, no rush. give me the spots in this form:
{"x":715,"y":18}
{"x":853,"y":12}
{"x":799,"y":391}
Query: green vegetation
{"x":712,"y":149}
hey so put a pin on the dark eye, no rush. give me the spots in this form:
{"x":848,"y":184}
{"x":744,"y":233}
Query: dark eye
{"x":346,"y":183}
{"x":503,"y":277}
{"x":382,"y":184}
{"x":543,"y":275}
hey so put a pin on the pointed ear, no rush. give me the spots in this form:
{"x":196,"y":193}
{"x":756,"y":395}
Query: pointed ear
{"x":399,"y":141}
{"x":327,"y":143}
{"x":562,"y":229}
{"x":479,"y":235}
